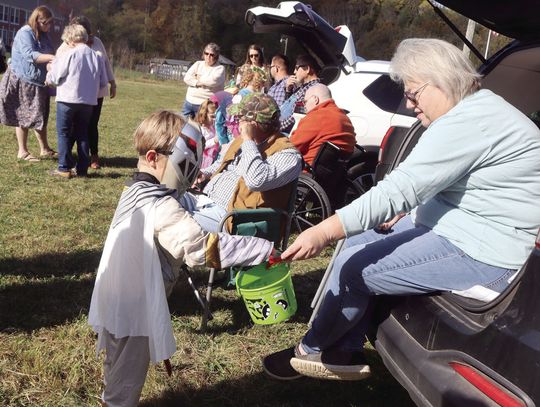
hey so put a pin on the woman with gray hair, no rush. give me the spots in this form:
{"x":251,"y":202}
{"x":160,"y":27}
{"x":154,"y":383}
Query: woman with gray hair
{"x":204,"y":78}
{"x":471,"y":185}
{"x":78,"y":74}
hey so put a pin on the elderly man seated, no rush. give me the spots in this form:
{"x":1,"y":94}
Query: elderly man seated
{"x":256,"y":171}
{"x":324,"y":122}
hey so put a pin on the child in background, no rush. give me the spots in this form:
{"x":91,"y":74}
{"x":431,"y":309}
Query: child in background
{"x":78,"y":73}
{"x":206,"y":117}
{"x":222,"y":100}
{"x":150,"y":237}
{"x":253,"y":80}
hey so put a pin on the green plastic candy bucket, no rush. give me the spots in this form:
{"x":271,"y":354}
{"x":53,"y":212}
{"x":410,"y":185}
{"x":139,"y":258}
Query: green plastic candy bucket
{"x":267,"y":293}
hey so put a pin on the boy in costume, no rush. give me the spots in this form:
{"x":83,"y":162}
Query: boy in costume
{"x":150,"y":237}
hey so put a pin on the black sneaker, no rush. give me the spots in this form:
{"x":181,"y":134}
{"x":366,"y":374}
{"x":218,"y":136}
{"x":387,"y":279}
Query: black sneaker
{"x":278,"y":366}
{"x":332,"y":365}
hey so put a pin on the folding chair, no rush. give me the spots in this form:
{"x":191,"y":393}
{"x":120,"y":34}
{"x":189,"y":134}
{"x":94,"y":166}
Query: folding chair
{"x":269,"y":223}
{"x":318,"y":298}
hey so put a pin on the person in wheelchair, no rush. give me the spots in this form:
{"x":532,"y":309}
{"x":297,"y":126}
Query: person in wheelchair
{"x":324,"y":121}
{"x":256,"y":171}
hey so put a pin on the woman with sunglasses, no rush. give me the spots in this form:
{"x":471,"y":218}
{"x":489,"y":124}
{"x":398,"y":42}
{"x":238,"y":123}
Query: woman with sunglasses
{"x":254,"y":58}
{"x":472,"y":187}
{"x":204,"y":78}
{"x":23,"y":93}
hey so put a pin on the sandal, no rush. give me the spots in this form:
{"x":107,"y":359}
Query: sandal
{"x":49,"y":154}
{"x":29,"y":157}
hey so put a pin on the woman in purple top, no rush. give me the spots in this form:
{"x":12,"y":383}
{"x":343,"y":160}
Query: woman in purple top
{"x":78,"y":73}
{"x":24,"y":97}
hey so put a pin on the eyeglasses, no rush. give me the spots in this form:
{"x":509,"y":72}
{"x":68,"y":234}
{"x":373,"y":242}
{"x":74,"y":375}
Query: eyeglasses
{"x":210,"y":54}
{"x":254,"y":55}
{"x":297,"y":67}
{"x":414,"y":96}
{"x":164,"y":152}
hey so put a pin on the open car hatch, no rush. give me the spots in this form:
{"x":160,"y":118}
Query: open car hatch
{"x":332,"y":48}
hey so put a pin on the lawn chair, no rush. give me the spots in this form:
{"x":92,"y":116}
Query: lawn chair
{"x":318,"y":298}
{"x":271,"y":224}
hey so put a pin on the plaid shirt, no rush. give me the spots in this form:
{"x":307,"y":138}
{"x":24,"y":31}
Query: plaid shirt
{"x":259,"y":175}
{"x":287,"y":124}
{"x":279,"y":91}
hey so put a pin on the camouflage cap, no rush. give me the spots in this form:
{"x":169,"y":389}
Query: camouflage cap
{"x":257,"y":107}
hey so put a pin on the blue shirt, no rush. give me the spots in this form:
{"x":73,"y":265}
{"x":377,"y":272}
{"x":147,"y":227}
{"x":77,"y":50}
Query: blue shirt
{"x":24,"y":52}
{"x":474,"y":179}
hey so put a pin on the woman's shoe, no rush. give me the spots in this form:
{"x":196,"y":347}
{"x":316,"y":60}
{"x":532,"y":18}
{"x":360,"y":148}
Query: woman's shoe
{"x":49,"y":154}
{"x":94,"y":162}
{"x":332,"y":364}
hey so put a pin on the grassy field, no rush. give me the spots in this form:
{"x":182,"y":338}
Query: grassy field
{"x":52,"y":233}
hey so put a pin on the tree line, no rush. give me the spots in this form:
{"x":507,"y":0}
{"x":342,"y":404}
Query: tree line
{"x":136,"y":30}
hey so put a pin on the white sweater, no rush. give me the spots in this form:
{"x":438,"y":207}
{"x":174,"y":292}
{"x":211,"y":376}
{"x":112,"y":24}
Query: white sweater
{"x":203,"y":81}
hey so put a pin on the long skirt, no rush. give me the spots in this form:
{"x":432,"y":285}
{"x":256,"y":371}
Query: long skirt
{"x":23,"y":104}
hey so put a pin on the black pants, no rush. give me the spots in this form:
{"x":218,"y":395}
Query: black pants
{"x":93,"y":133}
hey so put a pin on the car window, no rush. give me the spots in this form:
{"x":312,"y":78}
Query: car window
{"x":387,"y":95}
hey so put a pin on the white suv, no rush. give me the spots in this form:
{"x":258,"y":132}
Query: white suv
{"x":361,"y":87}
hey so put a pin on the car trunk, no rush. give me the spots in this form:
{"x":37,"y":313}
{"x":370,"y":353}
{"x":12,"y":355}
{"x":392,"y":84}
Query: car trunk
{"x":327,"y":45}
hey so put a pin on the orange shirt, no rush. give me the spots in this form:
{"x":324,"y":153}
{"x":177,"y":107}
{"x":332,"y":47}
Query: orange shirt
{"x":326,"y":122}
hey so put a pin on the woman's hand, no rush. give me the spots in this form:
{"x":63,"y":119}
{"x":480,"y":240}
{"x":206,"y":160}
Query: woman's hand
{"x":388,"y":225}
{"x":307,"y":245}
{"x":311,"y":242}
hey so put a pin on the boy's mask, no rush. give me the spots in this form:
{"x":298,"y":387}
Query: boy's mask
{"x":183,"y":164}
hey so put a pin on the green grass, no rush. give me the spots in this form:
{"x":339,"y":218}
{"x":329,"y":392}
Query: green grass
{"x":52,"y":233}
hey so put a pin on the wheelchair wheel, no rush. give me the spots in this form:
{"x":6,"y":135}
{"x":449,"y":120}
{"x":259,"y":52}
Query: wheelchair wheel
{"x":354,"y":190}
{"x":311,"y":205}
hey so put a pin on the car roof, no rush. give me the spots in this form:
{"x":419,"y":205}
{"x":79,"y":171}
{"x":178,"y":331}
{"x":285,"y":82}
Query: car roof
{"x":519,"y":19}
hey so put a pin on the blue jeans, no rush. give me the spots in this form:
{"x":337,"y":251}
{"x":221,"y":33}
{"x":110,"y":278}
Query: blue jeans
{"x":207,"y":215}
{"x":72,"y":126}
{"x":190,"y":110}
{"x":409,"y":260}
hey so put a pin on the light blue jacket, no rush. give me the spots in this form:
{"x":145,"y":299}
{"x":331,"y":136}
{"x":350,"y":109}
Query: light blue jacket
{"x":24,"y":52}
{"x":474,"y":178}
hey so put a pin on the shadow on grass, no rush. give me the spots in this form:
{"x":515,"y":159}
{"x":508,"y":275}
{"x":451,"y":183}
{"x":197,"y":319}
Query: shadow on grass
{"x":259,"y":390}
{"x":119,"y":162}
{"x":113,"y":175}
{"x":57,"y":288}
{"x":183,"y":302}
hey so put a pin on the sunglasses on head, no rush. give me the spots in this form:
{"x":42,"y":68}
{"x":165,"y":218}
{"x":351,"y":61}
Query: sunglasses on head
{"x":413,"y":96}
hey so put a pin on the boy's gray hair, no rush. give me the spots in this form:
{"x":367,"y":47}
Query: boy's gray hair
{"x":438,"y":62}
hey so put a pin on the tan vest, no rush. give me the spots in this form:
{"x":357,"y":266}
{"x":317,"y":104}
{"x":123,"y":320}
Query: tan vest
{"x":243,"y":197}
